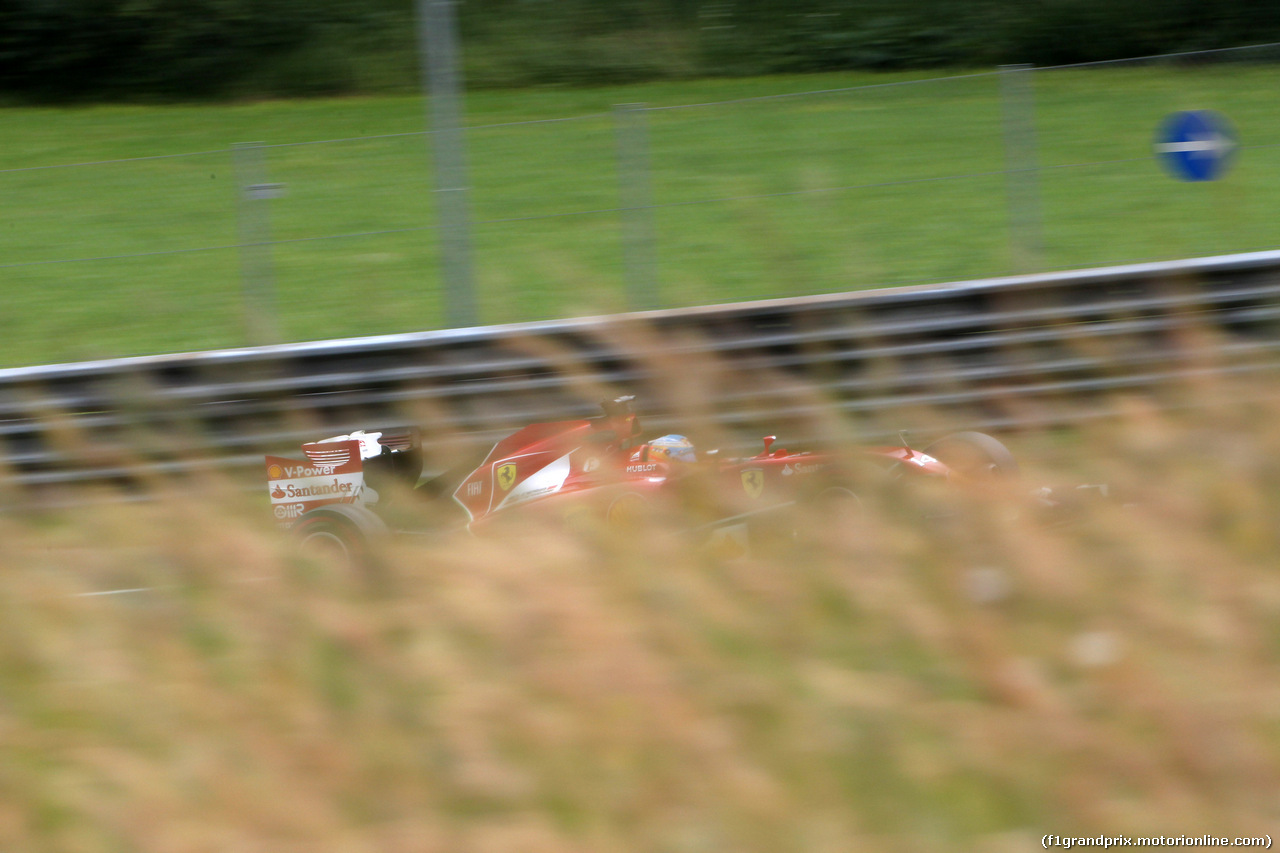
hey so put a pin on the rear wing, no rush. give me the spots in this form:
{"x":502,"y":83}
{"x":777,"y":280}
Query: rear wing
{"x":333,"y":472}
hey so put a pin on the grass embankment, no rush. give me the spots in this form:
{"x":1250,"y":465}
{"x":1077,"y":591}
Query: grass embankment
{"x":969,"y":684}
{"x":755,"y":199}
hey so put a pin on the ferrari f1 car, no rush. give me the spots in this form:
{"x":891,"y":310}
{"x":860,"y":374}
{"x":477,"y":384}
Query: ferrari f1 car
{"x":597,"y":469}
{"x":336,"y":498}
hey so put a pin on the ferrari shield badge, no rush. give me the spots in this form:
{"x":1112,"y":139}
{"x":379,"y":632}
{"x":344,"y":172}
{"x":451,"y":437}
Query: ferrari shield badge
{"x":753,"y":482}
{"x":506,"y":475}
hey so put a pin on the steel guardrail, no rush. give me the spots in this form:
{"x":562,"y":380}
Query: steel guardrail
{"x":993,"y":352}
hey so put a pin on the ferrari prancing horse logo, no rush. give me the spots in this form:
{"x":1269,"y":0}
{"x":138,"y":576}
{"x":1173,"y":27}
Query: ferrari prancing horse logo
{"x":506,"y":475}
{"x":753,"y":482}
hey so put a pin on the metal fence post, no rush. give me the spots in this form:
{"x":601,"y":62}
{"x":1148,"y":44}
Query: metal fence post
{"x":636,"y":204}
{"x":1022,"y":168}
{"x":437,"y":39}
{"x":253,"y":220}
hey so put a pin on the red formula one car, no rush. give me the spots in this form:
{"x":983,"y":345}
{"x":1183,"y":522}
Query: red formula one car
{"x":587,"y":469}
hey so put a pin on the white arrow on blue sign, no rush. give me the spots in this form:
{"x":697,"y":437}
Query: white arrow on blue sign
{"x":1196,"y":145}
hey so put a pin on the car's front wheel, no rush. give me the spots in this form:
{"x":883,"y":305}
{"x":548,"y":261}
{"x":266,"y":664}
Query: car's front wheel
{"x":974,"y":456}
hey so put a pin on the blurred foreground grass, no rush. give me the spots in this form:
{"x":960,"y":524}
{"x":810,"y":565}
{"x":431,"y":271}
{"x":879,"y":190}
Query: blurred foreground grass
{"x":970,"y":683}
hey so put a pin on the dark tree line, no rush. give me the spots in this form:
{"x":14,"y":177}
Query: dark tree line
{"x":58,"y":49}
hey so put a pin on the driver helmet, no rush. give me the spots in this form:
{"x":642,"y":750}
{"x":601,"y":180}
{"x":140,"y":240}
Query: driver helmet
{"x":668,"y":448}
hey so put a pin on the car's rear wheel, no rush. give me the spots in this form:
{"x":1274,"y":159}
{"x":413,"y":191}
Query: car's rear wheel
{"x":338,"y":535}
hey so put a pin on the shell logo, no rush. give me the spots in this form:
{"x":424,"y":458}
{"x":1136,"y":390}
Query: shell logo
{"x":275,"y":472}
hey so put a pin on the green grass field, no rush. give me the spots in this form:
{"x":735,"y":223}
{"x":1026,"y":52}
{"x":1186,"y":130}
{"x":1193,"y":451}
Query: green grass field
{"x":755,"y":198}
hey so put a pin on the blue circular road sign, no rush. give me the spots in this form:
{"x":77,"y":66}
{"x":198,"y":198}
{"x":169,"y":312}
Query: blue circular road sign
{"x":1196,"y":145}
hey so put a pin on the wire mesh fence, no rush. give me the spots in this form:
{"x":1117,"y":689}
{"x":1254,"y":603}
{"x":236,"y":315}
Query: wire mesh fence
{"x":1106,"y":198}
{"x":814,"y":185}
{"x":911,"y":180}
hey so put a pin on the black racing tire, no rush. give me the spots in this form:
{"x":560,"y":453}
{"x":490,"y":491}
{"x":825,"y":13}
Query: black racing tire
{"x":339,"y":534}
{"x":975,"y":456}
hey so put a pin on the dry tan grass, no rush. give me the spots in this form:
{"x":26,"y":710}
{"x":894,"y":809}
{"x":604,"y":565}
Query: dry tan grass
{"x":968,"y":683}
